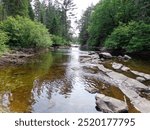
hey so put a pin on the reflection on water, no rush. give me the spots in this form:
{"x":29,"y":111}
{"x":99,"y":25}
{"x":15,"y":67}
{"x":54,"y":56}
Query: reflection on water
{"x":52,"y":82}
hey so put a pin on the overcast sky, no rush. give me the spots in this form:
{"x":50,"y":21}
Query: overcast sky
{"x":81,"y":7}
{"x":83,"y":4}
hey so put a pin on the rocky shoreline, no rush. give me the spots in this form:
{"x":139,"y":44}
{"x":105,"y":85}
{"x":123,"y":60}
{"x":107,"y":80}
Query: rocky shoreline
{"x":20,"y":56}
{"x":130,"y":87}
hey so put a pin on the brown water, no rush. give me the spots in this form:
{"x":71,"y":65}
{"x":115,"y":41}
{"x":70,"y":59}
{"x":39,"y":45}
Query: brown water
{"x":52,"y":82}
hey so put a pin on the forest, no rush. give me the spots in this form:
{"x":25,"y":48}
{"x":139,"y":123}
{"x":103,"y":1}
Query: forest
{"x":114,"y":24}
{"x":117,"y":25}
{"x":35,"y":23}
{"x":54,"y":61}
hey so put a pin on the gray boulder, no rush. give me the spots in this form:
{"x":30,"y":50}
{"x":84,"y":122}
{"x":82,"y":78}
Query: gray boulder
{"x":126,"y":57}
{"x":110,"y":105}
{"x":116,"y":66}
{"x":146,"y":76}
{"x":124,"y":68}
{"x":105,"y":55}
{"x":140,"y":79}
{"x":128,"y":86}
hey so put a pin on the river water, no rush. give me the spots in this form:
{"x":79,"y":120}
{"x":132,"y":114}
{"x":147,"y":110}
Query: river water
{"x":51,"y":82}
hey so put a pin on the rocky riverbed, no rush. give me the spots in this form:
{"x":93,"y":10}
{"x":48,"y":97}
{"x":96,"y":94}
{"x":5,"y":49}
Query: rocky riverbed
{"x":71,"y":80}
{"x":131,"y":87}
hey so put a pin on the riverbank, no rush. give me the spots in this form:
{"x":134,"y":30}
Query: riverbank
{"x":131,"y":82}
{"x":21,"y":56}
{"x":17,"y":56}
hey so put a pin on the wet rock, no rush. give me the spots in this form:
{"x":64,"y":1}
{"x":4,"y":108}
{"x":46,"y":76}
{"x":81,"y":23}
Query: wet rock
{"x":128,"y":86}
{"x":105,"y":55}
{"x":15,"y":57}
{"x":85,"y":60}
{"x":116,"y":66}
{"x":141,"y":79}
{"x":145,"y":90}
{"x":95,"y":56}
{"x":96,"y":61}
{"x":104,"y":87}
{"x":92,"y":90}
{"x":103,"y":69}
{"x":102,"y":59}
{"x":120,"y":57}
{"x":124,"y":68}
{"x":126,"y":57}
{"x":110,"y":105}
{"x":91,"y":53}
{"x":146,"y":76}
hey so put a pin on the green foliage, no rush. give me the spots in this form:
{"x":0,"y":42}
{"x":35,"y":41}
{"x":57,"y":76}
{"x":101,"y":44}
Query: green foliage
{"x":132,"y":37}
{"x":56,"y":16}
{"x":3,"y":40}
{"x":83,"y":25}
{"x":25,"y":33}
{"x":30,"y":10}
{"x":16,"y":7}
{"x":105,"y":27}
{"x":106,"y":16}
{"x":58,"y":40}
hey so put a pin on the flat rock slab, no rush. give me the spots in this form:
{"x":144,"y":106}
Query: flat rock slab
{"x":116,"y":66}
{"x":110,"y":105}
{"x":124,"y":68}
{"x":128,"y":86}
{"x":146,"y":76}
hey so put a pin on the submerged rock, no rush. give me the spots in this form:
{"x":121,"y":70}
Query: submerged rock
{"x":128,"y":86}
{"x":92,"y":90}
{"x":110,"y":105}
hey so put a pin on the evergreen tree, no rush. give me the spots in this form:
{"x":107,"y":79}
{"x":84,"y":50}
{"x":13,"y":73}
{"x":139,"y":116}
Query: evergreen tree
{"x":37,"y":9}
{"x":31,"y":13}
{"x":83,"y":25}
{"x":16,"y":7}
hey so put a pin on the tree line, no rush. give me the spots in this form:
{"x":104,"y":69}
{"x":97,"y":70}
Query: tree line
{"x":118,"y":25}
{"x":35,"y":23}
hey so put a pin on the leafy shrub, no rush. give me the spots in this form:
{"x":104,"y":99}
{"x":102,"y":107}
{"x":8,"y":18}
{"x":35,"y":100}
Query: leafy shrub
{"x":25,"y":33}
{"x":132,"y":37}
{"x":57,"y":40}
{"x":3,"y":39}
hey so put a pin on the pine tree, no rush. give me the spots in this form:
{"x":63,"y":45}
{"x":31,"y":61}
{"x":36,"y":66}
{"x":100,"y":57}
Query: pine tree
{"x":37,"y":9}
{"x":31,"y":13}
{"x":16,"y":7}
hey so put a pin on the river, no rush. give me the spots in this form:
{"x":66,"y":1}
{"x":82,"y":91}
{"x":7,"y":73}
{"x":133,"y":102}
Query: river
{"x":52,"y":82}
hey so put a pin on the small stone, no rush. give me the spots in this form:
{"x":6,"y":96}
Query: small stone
{"x":116,"y":66}
{"x":105,"y":55}
{"x":92,"y":90}
{"x":126,"y":57}
{"x":124,"y":68}
{"x":140,"y":79}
